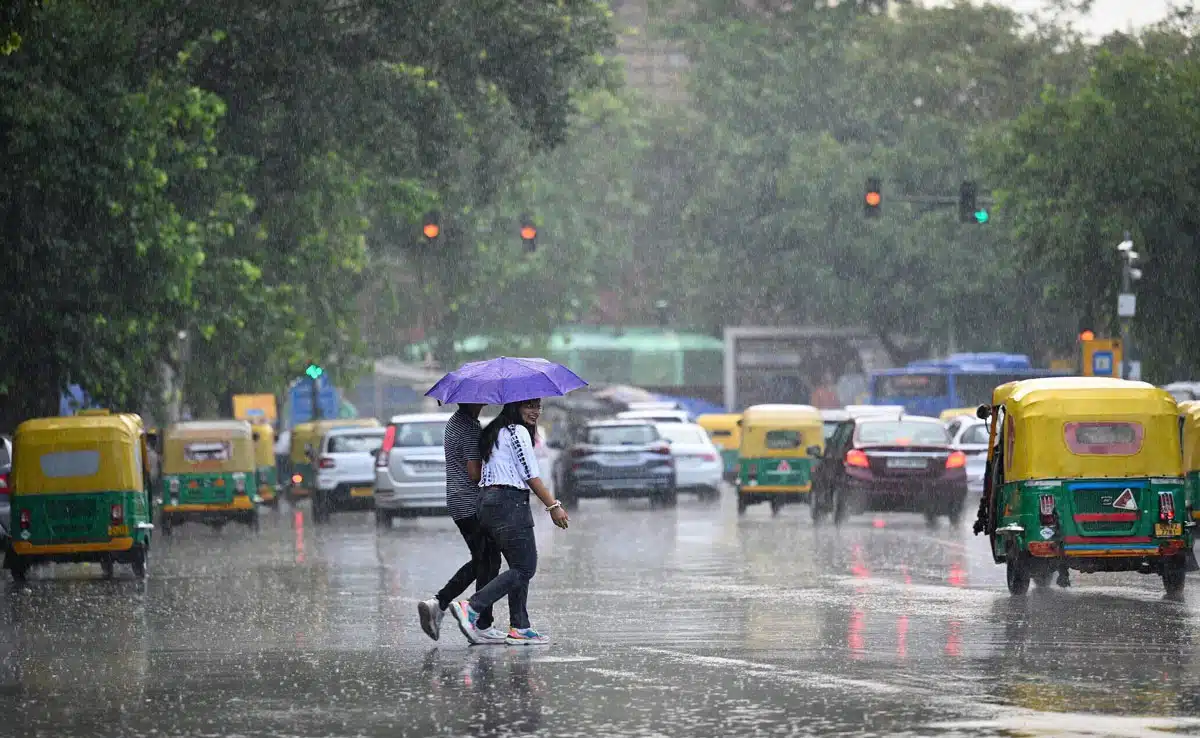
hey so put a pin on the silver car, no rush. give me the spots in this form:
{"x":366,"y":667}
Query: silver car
{"x":410,"y":468}
{"x":970,"y":435}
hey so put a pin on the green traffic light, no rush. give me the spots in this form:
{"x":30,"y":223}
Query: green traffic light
{"x":981,"y":216}
{"x":313,"y":371}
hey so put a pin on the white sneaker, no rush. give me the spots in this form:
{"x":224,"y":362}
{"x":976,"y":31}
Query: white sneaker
{"x":526,"y":637}
{"x":492,"y":635}
{"x":431,"y":617}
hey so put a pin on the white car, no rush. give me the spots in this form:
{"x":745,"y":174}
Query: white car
{"x":698,"y":464}
{"x":410,"y":468}
{"x":346,"y":471}
{"x":656,"y":416}
{"x":970,"y":435}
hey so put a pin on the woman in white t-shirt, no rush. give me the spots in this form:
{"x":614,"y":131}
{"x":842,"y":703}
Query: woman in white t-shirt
{"x":510,"y":473}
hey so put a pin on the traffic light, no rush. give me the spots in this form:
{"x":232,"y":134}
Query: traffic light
{"x":1087,"y":335}
{"x":528,"y":232}
{"x":313,"y":371}
{"x":873,"y":199}
{"x":969,"y":209}
{"x":431,"y":226}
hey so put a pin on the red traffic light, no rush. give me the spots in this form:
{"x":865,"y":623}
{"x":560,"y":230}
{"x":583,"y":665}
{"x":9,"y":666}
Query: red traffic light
{"x":431,"y":225}
{"x":1087,"y":336}
{"x":431,"y":230}
{"x":873,"y":199}
{"x":528,"y":232}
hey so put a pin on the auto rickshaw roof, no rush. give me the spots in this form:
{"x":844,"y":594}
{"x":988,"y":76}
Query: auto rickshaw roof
{"x":803,"y":414}
{"x":1059,"y":395}
{"x":719,"y":420}
{"x":101,"y":425}
{"x":203,"y":429}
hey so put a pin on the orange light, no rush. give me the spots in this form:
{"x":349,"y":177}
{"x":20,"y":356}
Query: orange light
{"x":431,"y":230}
{"x":873,"y":199}
{"x":956,"y":460}
{"x":1087,"y":336}
{"x":528,"y":233}
{"x":857,"y":457}
{"x":297,"y":479}
{"x":1043,"y":548}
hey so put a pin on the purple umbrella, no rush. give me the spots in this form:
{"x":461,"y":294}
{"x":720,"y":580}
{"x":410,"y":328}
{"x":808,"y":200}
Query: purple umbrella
{"x":504,"y":380}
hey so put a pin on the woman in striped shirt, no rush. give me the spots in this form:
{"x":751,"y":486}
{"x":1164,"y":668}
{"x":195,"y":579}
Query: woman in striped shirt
{"x":510,"y":473}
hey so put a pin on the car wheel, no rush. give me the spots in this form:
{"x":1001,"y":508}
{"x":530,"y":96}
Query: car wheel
{"x":841,"y":509}
{"x":956,"y":510}
{"x":567,"y":497}
{"x":931,"y":516}
{"x":670,"y":496}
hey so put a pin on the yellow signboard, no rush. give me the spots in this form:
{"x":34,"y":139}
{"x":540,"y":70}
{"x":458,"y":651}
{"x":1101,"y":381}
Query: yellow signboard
{"x":1102,"y":357}
{"x":255,"y":408}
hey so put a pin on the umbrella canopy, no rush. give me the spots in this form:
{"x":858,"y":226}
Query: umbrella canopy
{"x":504,"y":380}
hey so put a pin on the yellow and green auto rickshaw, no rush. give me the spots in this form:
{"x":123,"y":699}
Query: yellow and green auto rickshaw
{"x":947,"y":415}
{"x":306,"y":439}
{"x":1084,"y":473}
{"x":209,"y":473}
{"x":779,"y":446}
{"x":80,"y":492}
{"x":726,"y":435}
{"x":264,"y":458}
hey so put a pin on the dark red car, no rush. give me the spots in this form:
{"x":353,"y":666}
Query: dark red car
{"x":889,"y":464}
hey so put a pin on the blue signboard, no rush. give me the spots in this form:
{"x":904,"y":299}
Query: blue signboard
{"x":1102,"y":364}
{"x":300,"y":396}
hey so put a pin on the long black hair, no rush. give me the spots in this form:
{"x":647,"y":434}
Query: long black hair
{"x":510,"y":415}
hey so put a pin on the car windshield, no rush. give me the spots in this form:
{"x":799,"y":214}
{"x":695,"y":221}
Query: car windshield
{"x":418,"y":435}
{"x":977,"y":434}
{"x":680,"y":433}
{"x":363,"y":444}
{"x":621,"y":435}
{"x":902,"y":432}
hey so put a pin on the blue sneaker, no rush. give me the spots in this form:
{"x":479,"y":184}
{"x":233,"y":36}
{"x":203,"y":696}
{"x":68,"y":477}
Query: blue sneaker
{"x":526,"y":637}
{"x":466,"y":618}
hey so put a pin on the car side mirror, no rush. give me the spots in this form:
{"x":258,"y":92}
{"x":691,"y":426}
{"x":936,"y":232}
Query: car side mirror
{"x":814,"y":451}
{"x":983,"y":412}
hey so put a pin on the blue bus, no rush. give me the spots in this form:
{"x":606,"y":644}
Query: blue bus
{"x":962,"y":380}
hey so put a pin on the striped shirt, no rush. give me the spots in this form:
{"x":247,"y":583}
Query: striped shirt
{"x":513,"y":462}
{"x":461,"y":445}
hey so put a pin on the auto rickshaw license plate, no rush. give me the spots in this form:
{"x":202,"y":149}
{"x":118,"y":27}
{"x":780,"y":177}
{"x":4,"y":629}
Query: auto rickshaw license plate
{"x":118,"y":530}
{"x":1168,"y":529}
{"x":362,"y":491}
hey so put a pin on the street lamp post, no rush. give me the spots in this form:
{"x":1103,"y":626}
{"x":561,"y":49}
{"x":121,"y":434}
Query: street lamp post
{"x":1127,"y":301}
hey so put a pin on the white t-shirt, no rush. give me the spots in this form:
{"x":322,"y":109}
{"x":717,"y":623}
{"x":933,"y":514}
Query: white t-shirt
{"x":513,"y":462}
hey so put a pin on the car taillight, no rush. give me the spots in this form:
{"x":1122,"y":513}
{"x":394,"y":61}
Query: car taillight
{"x":579,"y":452}
{"x":1166,"y":506}
{"x":857,"y":457}
{"x":1046,"y":509}
{"x":385,"y":451}
{"x":3,"y":485}
{"x":662,"y":450}
{"x":327,"y":462}
{"x":117,"y":512}
{"x":708,"y":457}
{"x":24,"y":519}
{"x":956,"y":460}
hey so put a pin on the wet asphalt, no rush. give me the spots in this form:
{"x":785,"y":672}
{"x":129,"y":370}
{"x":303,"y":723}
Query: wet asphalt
{"x":685,"y":622}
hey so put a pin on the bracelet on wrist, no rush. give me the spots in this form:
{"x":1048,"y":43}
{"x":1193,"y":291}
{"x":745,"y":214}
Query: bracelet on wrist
{"x":556,"y":504}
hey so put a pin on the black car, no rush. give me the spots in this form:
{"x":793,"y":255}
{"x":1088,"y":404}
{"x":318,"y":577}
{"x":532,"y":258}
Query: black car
{"x":615,"y":458}
{"x":890,"y":464}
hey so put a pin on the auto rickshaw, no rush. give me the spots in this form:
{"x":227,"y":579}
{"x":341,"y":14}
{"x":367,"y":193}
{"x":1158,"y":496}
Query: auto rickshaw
{"x":1084,"y":473}
{"x":264,"y":459}
{"x":726,"y":435}
{"x":306,"y":439}
{"x":954,"y":412}
{"x":779,"y":446}
{"x":209,"y":474}
{"x":80,"y":492}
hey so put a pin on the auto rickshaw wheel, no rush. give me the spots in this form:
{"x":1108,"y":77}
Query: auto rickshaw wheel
{"x":141,"y":560}
{"x":18,"y":568}
{"x":776,"y":506}
{"x":1042,"y":578}
{"x":741,"y":503}
{"x":1018,"y":573}
{"x":107,"y":567}
{"x":1174,"y":575}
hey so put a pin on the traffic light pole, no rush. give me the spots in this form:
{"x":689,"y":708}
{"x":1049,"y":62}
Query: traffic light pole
{"x":1126,"y":287}
{"x":316,"y":398}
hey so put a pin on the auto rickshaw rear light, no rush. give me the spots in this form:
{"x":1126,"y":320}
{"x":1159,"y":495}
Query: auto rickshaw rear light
{"x":297,"y":478}
{"x":1046,"y":508}
{"x":1043,"y":548}
{"x":857,"y":457}
{"x":1166,"y":506}
{"x":239,"y":483}
{"x":956,"y":460}
{"x":327,"y":462}
{"x":24,"y":519}
{"x":174,"y":484}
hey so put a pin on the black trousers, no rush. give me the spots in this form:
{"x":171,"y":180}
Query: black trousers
{"x":481,"y":569}
{"x":505,"y":514}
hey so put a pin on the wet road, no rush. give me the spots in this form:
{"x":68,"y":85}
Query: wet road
{"x":666,"y":623}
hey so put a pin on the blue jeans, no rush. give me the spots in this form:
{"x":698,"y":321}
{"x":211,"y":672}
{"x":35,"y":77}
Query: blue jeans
{"x":505,"y":515}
